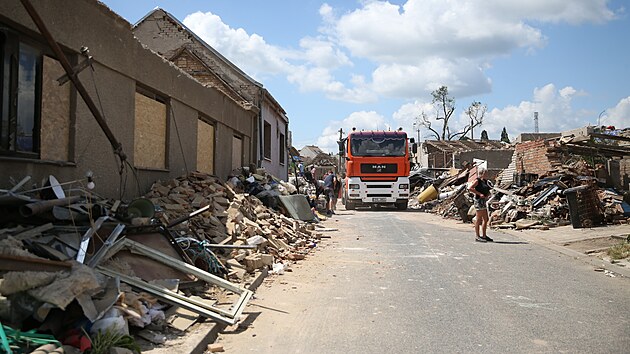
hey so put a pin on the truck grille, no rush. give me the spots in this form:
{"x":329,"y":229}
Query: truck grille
{"x":379,"y":168}
{"x":378,"y":195}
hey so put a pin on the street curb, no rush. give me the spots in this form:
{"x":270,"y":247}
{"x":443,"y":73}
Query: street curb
{"x":593,"y":261}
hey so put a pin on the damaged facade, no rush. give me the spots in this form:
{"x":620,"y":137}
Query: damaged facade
{"x":166,"y":121}
{"x":163,"y":33}
{"x":579,"y":177}
{"x":446,"y":154}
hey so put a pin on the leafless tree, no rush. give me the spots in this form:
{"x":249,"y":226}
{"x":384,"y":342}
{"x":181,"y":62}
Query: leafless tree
{"x":444,"y":108}
{"x":475,"y":112}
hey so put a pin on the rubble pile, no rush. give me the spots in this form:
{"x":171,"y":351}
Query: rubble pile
{"x":80,"y":267}
{"x":234,"y":219}
{"x":573,"y":193}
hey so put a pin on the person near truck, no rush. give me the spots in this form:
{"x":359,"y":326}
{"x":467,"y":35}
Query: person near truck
{"x":329,"y":181}
{"x":481,"y":190}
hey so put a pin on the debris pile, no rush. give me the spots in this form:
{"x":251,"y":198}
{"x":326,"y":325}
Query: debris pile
{"x":571,"y":194}
{"x":81,"y":268}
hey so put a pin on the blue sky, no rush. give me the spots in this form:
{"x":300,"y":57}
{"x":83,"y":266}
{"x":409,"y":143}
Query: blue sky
{"x":373,"y":64}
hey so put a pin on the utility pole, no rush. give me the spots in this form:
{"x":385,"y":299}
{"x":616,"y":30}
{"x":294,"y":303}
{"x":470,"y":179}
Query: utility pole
{"x":535,"y":122}
{"x":339,"y":152}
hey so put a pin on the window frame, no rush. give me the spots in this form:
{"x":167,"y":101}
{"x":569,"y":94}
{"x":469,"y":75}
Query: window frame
{"x":282,"y":149}
{"x":267,"y":141}
{"x":11,"y":46}
{"x":165,"y":100}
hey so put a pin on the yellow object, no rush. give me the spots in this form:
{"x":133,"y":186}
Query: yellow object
{"x":428,"y":194}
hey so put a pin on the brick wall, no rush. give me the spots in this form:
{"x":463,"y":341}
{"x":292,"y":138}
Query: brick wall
{"x":538,"y":157}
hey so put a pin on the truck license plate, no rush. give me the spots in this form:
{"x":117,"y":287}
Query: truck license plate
{"x":379,"y":200}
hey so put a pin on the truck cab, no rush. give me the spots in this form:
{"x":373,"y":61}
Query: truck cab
{"x":377,"y":169}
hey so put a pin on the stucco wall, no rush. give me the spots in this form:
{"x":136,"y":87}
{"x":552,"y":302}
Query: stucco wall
{"x":120,"y":64}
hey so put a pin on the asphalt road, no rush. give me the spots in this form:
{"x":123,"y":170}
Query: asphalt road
{"x":410,"y":282}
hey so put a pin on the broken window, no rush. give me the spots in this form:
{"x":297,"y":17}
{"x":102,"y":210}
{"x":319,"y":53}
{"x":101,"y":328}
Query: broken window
{"x":205,"y":147}
{"x":282,"y":143}
{"x":20,"y":92}
{"x":150,"y":130}
{"x":267,"y":141}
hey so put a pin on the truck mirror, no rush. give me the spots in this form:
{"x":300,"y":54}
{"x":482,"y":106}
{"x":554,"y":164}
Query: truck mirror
{"x":342,"y":149}
{"x":414,"y":148}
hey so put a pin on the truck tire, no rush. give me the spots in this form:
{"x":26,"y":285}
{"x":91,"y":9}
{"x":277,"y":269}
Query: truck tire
{"x":350,"y":205}
{"x":401,"y":205}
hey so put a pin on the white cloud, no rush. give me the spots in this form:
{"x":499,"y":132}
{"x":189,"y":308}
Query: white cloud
{"x":250,"y":53}
{"x":555,"y":113}
{"x":361,"y":120}
{"x":410,"y":49}
{"x":619,"y":116}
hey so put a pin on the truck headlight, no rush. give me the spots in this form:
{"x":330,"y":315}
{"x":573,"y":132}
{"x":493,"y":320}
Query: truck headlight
{"x":353,"y":186}
{"x":403,"y":186}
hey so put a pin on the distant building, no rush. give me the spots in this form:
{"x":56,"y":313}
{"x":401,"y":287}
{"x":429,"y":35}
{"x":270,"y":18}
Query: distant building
{"x":310,"y":151}
{"x":446,"y":154}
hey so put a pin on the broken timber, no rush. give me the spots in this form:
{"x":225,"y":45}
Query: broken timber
{"x":203,"y":309}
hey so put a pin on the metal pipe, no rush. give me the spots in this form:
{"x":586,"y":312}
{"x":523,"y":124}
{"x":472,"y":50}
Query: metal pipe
{"x":181,"y":219}
{"x":74,"y":78}
{"x":41,"y":207}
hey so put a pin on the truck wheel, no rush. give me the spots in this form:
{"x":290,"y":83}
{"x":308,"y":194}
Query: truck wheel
{"x":401,"y":206}
{"x":350,"y":205}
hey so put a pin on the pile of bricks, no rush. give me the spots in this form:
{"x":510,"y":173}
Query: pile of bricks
{"x":234,"y":219}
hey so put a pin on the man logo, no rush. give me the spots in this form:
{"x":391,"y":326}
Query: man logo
{"x":378,"y":168}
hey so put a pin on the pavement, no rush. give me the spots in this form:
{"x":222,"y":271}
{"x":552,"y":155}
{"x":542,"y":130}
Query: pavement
{"x":559,"y":239}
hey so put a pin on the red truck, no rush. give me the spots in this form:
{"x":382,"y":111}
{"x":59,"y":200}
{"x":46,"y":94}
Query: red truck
{"x":377,"y":168}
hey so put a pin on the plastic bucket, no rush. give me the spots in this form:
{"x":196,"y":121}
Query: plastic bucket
{"x":428,"y":194}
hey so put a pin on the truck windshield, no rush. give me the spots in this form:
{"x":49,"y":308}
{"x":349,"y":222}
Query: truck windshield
{"x":377,"y":146}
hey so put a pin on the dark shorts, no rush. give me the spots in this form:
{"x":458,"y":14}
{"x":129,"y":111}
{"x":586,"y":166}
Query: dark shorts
{"x":480,"y":204}
{"x":328,"y":193}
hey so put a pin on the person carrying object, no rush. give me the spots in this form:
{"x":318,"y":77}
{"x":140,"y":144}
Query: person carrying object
{"x":481,"y":189}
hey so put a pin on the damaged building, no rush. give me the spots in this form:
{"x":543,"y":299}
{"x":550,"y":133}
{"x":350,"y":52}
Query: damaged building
{"x":166,"y":35}
{"x":442,"y":155}
{"x":166,"y":122}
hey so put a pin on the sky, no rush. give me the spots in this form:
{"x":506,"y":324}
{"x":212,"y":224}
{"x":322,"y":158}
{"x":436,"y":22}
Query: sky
{"x":373,"y":64}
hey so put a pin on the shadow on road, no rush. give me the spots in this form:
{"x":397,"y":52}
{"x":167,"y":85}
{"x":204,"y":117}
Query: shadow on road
{"x":511,"y":242}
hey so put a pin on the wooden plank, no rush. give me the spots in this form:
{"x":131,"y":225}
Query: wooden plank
{"x":36,"y":231}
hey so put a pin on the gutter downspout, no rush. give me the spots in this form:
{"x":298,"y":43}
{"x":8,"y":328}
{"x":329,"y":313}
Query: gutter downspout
{"x":260,"y":129}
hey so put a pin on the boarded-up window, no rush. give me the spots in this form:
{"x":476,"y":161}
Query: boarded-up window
{"x":205,"y":147}
{"x":55,"y":116}
{"x":237,"y":152}
{"x":150,"y":132}
{"x":281,"y":144}
{"x":267,"y":140}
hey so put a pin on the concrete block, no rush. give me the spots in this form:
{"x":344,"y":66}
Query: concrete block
{"x":267,"y":259}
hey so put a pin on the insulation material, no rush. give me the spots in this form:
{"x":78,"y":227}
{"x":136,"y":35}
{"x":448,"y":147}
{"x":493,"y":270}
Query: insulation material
{"x":205,"y":147}
{"x":55,"y":116}
{"x":149,"y":133}
{"x":64,"y":289}
{"x":12,"y":247}
{"x":15,"y":282}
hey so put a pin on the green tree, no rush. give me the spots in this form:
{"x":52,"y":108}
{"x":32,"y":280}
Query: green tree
{"x":504,"y":136}
{"x":484,"y":135}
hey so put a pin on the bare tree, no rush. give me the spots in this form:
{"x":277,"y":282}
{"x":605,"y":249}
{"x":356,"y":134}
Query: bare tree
{"x":475,"y":112}
{"x":444,"y":108}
